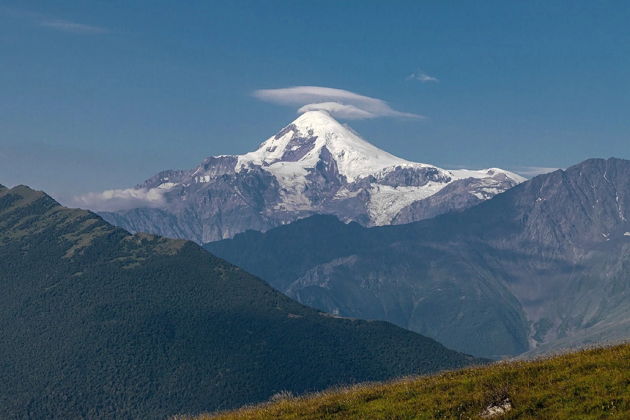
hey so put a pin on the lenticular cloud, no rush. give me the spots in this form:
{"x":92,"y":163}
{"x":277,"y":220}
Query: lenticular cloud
{"x":338,"y":102}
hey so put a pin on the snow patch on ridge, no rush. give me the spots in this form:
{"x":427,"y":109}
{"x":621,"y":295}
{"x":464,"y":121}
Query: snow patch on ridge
{"x":386,"y":201}
{"x":486,"y":173}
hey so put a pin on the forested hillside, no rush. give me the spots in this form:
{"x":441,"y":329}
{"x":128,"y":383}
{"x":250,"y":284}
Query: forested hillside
{"x":98,"y":323}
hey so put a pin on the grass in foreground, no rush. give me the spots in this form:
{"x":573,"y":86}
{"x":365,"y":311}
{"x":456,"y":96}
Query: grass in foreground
{"x":590,"y":384}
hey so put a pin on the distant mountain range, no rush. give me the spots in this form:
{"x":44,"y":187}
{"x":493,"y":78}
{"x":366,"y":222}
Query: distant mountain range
{"x":315,"y":165}
{"x":98,"y":323}
{"x":542,"y":266}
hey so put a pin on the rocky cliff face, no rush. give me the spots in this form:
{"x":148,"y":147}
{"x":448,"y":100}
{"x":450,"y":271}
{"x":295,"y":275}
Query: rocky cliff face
{"x":542,"y":266}
{"x":315,"y":165}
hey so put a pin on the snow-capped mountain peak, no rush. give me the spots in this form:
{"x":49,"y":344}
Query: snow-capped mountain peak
{"x":305,"y":139}
{"x":314,"y":165}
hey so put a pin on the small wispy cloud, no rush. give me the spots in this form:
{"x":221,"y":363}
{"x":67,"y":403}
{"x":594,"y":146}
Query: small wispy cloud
{"x":531,"y":171}
{"x":422,"y":77}
{"x":52,"y":22}
{"x":338,"y":102}
{"x":73,"y":27}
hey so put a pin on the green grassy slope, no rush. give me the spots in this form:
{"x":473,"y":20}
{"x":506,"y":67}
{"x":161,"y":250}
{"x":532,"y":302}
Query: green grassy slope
{"x":98,"y":323}
{"x":591,"y":384}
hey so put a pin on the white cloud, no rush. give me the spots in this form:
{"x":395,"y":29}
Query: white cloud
{"x":531,"y":171}
{"x":73,"y":27}
{"x":52,"y":22}
{"x":422,"y":77}
{"x":340,"y":103}
{"x":349,"y":112}
{"x":125,"y":199}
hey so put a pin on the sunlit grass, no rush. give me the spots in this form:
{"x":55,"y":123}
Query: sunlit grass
{"x":590,"y":384}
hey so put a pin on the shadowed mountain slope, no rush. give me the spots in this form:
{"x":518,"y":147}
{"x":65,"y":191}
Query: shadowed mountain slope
{"x":98,"y":323}
{"x":544,"y":265}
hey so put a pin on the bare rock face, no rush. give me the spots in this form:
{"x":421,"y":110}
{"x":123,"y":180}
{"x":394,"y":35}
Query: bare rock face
{"x":314,"y":165}
{"x":457,"y":195}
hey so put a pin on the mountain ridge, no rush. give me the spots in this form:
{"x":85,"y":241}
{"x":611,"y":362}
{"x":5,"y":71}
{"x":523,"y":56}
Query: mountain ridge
{"x":540,"y":265}
{"x":314,"y":165}
{"x":100,"y":323}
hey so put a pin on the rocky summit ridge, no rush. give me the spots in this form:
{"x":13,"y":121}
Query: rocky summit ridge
{"x":315,"y":165}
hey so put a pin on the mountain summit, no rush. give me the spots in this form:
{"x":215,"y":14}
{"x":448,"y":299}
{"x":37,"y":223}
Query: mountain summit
{"x":315,"y":165}
{"x":316,"y":135}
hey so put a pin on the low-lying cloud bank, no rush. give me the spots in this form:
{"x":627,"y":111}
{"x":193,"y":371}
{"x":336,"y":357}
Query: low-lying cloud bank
{"x":338,"y":102}
{"x":122,"y":199}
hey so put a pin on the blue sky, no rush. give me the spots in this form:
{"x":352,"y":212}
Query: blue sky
{"x":103,"y":94}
